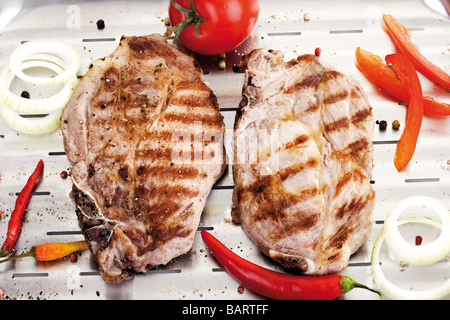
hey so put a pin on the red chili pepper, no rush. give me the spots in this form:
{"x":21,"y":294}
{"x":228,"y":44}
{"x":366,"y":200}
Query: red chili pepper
{"x":402,"y":38}
{"x":15,"y":222}
{"x":277,"y":285}
{"x":414,"y":114}
{"x":51,"y":251}
{"x":373,"y":67}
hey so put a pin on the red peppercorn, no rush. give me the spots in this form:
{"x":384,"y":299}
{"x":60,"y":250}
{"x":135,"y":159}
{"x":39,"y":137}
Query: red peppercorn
{"x":418,"y":240}
{"x":73,"y":257}
{"x":63,"y":174}
{"x":317,"y":51}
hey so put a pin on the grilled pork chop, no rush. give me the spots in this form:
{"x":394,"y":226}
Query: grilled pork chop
{"x":145,"y":137}
{"x":302,"y":162}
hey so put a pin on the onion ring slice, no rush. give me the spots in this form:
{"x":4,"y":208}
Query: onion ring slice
{"x":47,"y":124}
{"x":394,"y":292}
{"x":423,"y":254}
{"x":55,"y":47}
{"x":23,"y":105}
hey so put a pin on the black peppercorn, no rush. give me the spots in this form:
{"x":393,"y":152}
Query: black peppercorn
{"x":383,"y":124}
{"x":25,"y":94}
{"x":100,"y":24}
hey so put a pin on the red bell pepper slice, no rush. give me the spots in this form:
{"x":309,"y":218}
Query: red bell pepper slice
{"x":435,"y":107}
{"x":373,"y":67}
{"x":402,"y":38}
{"x":414,"y":114}
{"x":377,"y":71}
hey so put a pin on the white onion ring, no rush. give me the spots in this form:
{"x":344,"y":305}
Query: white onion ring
{"x":55,"y":47}
{"x":394,"y":292}
{"x":46,"y":57}
{"x":43,"y":125}
{"x":24,"y":105}
{"x":423,"y":254}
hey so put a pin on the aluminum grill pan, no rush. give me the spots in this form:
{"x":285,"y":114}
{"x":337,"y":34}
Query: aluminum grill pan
{"x":294,"y":27}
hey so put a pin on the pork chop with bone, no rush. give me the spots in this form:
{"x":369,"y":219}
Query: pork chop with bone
{"x":145,"y":137}
{"x":303,"y":162}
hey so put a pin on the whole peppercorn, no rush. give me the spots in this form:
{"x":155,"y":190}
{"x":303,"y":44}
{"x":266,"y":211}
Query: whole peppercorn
{"x":25,"y":94}
{"x":382,"y":124}
{"x":317,"y":51}
{"x":100,"y":24}
{"x":222,"y":64}
{"x":418,"y":240}
{"x":395,"y":125}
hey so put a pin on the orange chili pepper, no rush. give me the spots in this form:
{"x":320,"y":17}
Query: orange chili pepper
{"x":51,"y":251}
{"x":402,"y":38}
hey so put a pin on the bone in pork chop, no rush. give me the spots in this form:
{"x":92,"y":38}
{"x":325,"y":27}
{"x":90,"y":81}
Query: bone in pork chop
{"x":145,"y":137}
{"x":302,"y":162}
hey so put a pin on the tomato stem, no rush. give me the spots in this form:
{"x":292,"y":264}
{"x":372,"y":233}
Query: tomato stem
{"x":192,"y":18}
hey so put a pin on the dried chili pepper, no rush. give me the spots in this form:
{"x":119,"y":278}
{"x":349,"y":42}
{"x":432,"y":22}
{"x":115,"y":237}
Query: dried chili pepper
{"x":277,"y":285}
{"x":15,"y":222}
{"x":51,"y":251}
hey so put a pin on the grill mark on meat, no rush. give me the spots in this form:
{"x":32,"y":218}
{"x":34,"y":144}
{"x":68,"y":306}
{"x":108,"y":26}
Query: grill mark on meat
{"x":309,"y":82}
{"x":169,"y":172}
{"x":297,"y":141}
{"x":200,"y":100}
{"x":214,"y":121}
{"x":333,"y":98}
{"x":301,"y":221}
{"x":329,"y":75}
{"x":162,"y":231}
{"x":351,"y":211}
{"x":358,"y":145}
{"x":296,"y":168}
{"x":361,"y":115}
{"x":353,"y":175}
{"x":337,"y":125}
{"x":155,"y":154}
{"x":272,"y":202}
{"x":352,"y":208}
{"x":167,"y":154}
{"x":205,"y":137}
{"x":165,"y":193}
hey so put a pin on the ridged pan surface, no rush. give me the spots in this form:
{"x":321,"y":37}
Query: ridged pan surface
{"x":295,"y":28}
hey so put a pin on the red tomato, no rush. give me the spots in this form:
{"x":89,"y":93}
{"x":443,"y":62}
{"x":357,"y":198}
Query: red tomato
{"x":227,"y":24}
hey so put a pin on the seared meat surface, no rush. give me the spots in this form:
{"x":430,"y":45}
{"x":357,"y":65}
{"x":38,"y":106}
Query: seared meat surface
{"x":144,"y":135}
{"x":303,"y":162}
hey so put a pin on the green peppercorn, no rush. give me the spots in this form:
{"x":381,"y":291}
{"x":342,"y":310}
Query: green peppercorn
{"x":395,"y":125}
